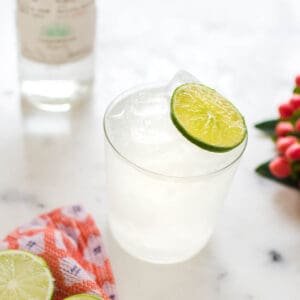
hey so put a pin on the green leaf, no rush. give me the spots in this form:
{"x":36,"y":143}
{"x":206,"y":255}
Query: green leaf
{"x":296,"y":134}
{"x":268,"y":127}
{"x":296,"y":90}
{"x":264,"y":171}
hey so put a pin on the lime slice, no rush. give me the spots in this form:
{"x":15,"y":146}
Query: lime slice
{"x":83,"y":297}
{"x":206,"y":118}
{"x":24,"y":276}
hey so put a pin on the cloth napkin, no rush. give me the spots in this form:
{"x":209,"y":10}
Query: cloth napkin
{"x":69,"y":240}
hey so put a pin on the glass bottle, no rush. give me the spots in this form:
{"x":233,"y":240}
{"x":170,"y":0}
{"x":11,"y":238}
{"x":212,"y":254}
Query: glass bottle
{"x":56,"y":51}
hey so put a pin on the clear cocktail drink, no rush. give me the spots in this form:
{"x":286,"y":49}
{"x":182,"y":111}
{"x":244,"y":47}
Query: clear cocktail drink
{"x":164,"y":192}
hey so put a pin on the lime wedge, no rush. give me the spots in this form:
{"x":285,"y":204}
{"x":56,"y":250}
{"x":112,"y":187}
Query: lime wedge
{"x":206,"y":118}
{"x":24,"y":276}
{"x":83,"y":297}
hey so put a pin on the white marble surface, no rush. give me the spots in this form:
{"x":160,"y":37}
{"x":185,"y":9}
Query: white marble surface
{"x":249,"y":50}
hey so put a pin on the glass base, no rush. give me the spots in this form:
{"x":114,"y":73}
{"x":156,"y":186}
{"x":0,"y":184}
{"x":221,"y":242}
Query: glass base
{"x":55,"y":95}
{"x":158,"y":255}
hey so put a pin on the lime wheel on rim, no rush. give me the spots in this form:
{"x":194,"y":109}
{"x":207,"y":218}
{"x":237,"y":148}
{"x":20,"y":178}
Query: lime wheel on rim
{"x":206,"y":118}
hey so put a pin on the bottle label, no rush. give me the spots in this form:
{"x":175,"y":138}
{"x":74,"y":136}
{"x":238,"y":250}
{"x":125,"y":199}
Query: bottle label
{"x":56,"y":31}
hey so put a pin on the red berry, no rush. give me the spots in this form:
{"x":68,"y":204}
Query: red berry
{"x":295,"y":102}
{"x":297,"y":80}
{"x":293,"y":152}
{"x":280,"y":167}
{"x":285,"y":142}
{"x":286,"y":110}
{"x":297,"y":126}
{"x":283,"y":128}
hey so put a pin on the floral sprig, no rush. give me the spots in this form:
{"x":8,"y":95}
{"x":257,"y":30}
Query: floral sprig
{"x":285,"y":132}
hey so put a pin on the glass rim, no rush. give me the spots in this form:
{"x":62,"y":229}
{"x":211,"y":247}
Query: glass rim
{"x":137,"y":88}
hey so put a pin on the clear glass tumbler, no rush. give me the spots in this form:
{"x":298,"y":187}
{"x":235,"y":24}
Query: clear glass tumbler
{"x":164,"y":192}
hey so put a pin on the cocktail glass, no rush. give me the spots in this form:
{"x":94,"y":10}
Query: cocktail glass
{"x":165,"y":193}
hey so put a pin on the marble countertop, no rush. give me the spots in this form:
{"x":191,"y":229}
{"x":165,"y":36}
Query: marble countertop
{"x":249,"y":50}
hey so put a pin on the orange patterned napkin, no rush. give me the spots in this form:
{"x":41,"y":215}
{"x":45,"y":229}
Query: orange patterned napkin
{"x":70,"y":242}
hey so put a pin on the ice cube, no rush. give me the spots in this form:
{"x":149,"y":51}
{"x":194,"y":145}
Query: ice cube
{"x":181,"y":77}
